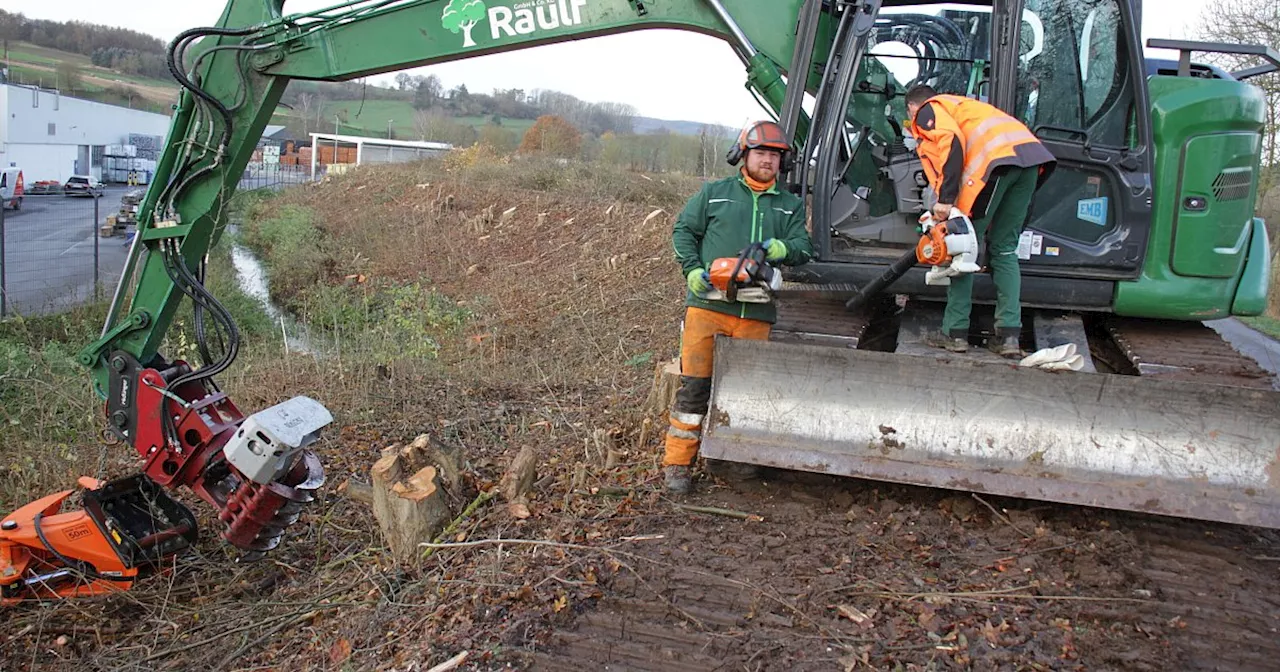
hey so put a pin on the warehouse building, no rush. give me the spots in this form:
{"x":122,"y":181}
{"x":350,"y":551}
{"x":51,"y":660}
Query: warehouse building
{"x":338,"y":152}
{"x":51,"y":136}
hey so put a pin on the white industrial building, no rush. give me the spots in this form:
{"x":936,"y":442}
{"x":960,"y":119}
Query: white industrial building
{"x":51,"y":136}
{"x":370,"y":150}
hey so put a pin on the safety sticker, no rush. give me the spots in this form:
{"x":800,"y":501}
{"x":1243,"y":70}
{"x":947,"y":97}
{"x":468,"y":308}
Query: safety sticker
{"x":1092,"y":210}
{"x":1051,"y":251}
{"x":1024,"y":245}
{"x":1037,"y":243}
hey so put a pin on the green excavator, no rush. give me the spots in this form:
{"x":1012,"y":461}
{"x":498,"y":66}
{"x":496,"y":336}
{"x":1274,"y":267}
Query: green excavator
{"x":1145,"y":232}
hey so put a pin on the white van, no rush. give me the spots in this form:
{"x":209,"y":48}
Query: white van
{"x":11,"y":188}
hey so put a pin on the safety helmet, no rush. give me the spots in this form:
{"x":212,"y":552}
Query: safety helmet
{"x":760,"y":134}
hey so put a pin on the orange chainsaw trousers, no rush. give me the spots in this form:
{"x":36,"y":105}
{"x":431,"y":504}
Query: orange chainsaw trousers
{"x":697,"y":350}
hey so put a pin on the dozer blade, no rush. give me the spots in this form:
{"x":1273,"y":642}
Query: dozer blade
{"x":1121,"y":442}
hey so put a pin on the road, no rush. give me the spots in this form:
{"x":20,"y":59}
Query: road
{"x":49,"y":245}
{"x":49,"y":249}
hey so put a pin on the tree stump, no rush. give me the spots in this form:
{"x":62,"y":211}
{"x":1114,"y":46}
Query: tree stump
{"x":666,"y":382}
{"x":518,"y":481}
{"x":417,"y":491}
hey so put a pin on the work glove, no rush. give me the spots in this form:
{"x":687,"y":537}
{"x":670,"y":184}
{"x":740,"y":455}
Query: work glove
{"x":774,"y":250}
{"x":698,"y":280}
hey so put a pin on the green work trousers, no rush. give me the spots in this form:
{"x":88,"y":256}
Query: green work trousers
{"x":1000,"y":226}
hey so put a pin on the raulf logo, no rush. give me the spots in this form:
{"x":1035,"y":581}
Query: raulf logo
{"x":522,"y":18}
{"x":462,"y":15}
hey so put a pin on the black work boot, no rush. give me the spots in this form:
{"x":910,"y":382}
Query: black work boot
{"x":678,"y":478}
{"x":937,"y":339}
{"x":1006,"y":346}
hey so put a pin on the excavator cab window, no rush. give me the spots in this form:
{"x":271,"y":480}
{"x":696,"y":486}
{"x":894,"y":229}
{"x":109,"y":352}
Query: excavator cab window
{"x":1083,"y":67}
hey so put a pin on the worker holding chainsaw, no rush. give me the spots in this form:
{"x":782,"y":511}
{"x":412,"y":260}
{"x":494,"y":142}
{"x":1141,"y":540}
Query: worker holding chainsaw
{"x":728,"y":240}
{"x":988,"y":166}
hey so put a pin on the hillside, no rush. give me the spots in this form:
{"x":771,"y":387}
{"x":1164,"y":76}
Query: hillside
{"x":128,"y":68}
{"x":76,"y":75}
{"x":372,"y":117}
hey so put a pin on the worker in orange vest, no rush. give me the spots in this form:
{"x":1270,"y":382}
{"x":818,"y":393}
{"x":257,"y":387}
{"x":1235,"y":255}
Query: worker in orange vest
{"x":988,"y":165}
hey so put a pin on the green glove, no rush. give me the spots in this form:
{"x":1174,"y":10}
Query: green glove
{"x":774,"y":249}
{"x":698,"y":280}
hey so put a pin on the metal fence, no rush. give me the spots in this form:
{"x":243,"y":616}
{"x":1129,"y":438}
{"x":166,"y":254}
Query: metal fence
{"x":276,"y":175}
{"x":58,"y":251}
{"x":51,"y":254}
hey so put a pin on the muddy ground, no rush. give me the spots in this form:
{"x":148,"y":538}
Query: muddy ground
{"x":842,"y":575}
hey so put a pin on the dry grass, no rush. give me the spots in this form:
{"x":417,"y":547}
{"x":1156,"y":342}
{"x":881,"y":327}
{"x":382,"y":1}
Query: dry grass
{"x":565,"y":272}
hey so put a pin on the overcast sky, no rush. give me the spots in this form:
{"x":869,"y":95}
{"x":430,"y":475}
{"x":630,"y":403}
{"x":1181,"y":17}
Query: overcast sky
{"x":665,"y":74}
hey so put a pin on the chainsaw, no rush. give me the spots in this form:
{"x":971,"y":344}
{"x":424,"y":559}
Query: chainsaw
{"x":125,"y":531}
{"x":746,"y":278}
{"x":950,"y":241}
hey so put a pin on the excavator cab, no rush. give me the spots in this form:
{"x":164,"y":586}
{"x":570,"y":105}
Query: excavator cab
{"x":1091,"y":221}
{"x":1159,"y":414}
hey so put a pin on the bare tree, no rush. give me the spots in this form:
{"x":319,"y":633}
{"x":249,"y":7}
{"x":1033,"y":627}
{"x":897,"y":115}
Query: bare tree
{"x":307,"y":105}
{"x":1249,"y":22}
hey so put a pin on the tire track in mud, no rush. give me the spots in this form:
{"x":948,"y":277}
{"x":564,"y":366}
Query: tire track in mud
{"x":1226,"y":599}
{"x":1137,"y":593}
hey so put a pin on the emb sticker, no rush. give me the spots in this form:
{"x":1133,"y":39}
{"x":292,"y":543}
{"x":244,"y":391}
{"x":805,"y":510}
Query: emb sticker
{"x":1092,"y":210}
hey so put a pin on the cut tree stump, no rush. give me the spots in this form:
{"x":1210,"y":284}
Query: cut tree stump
{"x":666,"y":382}
{"x":520,"y":476}
{"x":416,"y":492}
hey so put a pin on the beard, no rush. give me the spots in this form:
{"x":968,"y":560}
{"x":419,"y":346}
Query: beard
{"x":762,"y":175}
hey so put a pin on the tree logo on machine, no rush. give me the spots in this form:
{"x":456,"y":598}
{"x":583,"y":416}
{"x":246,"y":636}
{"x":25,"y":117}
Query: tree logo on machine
{"x":525,"y":17}
{"x":462,"y":15}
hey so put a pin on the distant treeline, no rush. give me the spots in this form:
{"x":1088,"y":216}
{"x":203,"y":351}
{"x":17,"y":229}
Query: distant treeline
{"x":128,"y":51}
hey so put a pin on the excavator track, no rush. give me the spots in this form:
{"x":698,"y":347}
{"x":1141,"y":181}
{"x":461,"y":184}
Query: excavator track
{"x":1183,"y":351}
{"x":810,"y":316}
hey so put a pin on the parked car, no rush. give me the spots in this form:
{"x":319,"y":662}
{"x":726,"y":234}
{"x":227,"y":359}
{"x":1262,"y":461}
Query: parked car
{"x":82,"y":185}
{"x":11,"y":188}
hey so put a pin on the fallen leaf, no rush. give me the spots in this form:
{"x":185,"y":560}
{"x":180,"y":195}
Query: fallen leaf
{"x":990,"y":633}
{"x":518,"y":510}
{"x":340,"y":651}
{"x":560,"y":603}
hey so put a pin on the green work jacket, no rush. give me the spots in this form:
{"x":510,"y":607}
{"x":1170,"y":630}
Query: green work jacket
{"x":726,"y":216}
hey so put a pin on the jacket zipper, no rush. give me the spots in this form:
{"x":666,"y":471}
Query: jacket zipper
{"x":755,"y":234}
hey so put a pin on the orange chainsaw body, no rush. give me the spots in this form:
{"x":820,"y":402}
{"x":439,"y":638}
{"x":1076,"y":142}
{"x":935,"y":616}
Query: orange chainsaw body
{"x":722,"y":272}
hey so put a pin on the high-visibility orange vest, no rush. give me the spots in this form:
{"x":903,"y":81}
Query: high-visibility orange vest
{"x":990,"y":139}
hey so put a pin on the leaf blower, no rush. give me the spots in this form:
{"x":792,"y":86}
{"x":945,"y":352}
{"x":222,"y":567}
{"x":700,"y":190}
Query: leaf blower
{"x":951,"y":241}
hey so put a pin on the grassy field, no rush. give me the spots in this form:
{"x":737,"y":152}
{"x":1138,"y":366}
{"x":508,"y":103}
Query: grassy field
{"x":1264,"y":323}
{"x":30,"y":53}
{"x":371,"y":117}
{"x":31,"y":64}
